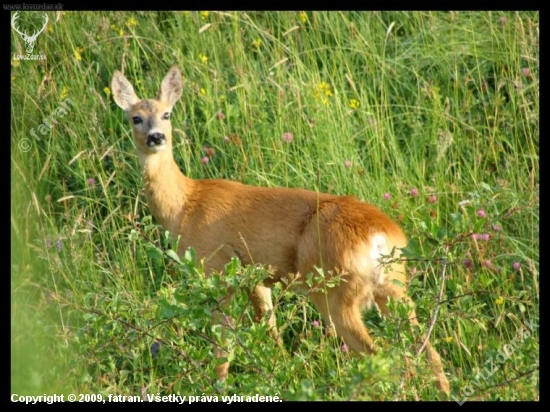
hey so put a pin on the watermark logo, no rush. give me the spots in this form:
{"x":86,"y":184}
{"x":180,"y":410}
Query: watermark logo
{"x":47,"y":124}
{"x":503,"y":354}
{"x":30,"y":40}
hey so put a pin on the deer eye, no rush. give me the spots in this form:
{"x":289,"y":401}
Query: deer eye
{"x":137,"y":120}
{"x":166,"y":116}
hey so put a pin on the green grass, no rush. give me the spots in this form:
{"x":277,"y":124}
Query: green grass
{"x":378,"y":104}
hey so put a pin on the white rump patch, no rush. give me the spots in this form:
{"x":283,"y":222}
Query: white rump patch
{"x":367,"y":259}
{"x":379,"y":247}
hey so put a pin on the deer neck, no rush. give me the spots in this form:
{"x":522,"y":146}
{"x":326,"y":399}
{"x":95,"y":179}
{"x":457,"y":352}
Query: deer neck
{"x":166,"y":188}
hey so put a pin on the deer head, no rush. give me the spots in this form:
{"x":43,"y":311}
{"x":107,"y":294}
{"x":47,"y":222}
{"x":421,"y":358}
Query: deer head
{"x":30,"y":41}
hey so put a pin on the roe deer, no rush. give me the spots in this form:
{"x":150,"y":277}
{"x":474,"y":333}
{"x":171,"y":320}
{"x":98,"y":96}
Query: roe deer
{"x":292,"y":230}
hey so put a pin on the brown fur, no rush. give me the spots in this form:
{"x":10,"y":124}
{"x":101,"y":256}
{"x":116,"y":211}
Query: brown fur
{"x":291,"y":230}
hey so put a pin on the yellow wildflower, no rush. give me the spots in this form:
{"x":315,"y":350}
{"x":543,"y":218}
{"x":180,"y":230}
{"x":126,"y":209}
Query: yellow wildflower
{"x":448,"y":339}
{"x":77,"y":54}
{"x":303,"y":16}
{"x":204,"y":14}
{"x":354,"y":104}
{"x":257,"y":43}
{"x":114,"y":27}
{"x":13,"y":78}
{"x":64,"y":93}
{"x":50,"y":29}
{"x":500,"y":300}
{"x":121,"y":32}
{"x":107,"y":91}
{"x":202,"y":91}
{"x":323,"y":87}
{"x":131,"y":22}
{"x":203,"y":58}
{"x":15,"y":63}
{"x":322,"y":92}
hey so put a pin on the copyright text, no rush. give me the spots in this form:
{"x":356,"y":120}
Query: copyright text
{"x":145,"y":397}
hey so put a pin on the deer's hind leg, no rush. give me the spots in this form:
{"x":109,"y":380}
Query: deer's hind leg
{"x":397,"y":291}
{"x":219,"y":315}
{"x":262,"y":302}
{"x":221,"y":349}
{"x":342,"y":307}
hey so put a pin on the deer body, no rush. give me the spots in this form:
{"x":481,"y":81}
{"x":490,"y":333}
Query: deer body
{"x":292,"y":230}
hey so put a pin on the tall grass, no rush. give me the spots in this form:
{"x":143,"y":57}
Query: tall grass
{"x":431,"y":115}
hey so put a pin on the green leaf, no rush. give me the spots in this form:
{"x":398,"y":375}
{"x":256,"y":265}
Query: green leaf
{"x":486,"y":187}
{"x":398,"y":283}
{"x":180,"y":298}
{"x":133,"y":235}
{"x":412,"y":250}
{"x":152,"y":251}
{"x":190,"y":256}
{"x":172,"y":254}
{"x":166,"y":310}
{"x":232,"y":267}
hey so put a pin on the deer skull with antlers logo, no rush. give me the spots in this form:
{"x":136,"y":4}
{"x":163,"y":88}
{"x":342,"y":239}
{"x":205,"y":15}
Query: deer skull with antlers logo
{"x":30,"y":41}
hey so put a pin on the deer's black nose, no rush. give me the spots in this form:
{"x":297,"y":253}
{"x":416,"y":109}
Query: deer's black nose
{"x":156,"y":139}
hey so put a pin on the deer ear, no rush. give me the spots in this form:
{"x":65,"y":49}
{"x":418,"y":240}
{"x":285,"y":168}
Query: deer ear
{"x":171,"y":88}
{"x":123,"y":92}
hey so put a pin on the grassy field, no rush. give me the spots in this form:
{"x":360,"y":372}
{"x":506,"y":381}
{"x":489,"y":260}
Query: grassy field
{"x":433,"y":116}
